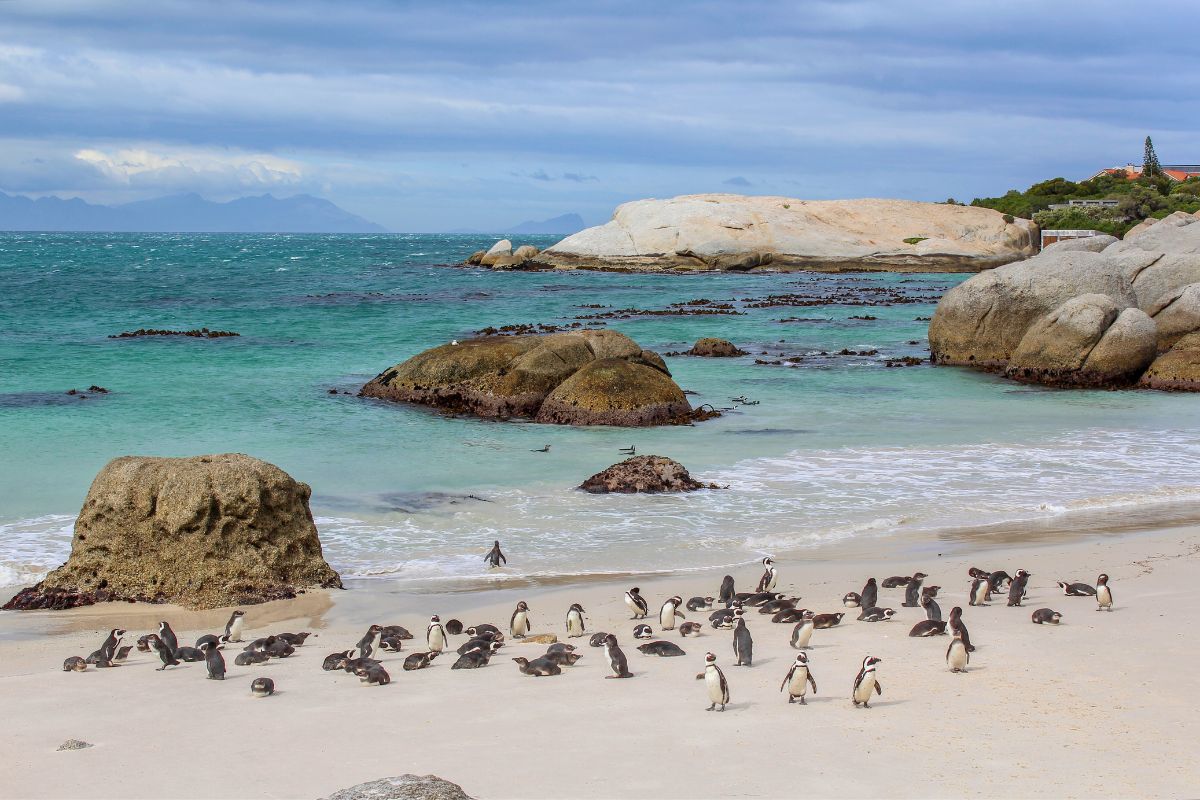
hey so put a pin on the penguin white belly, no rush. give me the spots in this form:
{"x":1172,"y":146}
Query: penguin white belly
{"x":713,"y":681}
{"x":771,"y":581}
{"x":958,"y":657}
{"x":520,"y":624}
{"x":235,"y":630}
{"x":803,"y":636}
{"x":574,"y":624}
{"x":666,"y":617}
{"x":863,"y":693}
{"x":799,"y":685}
{"x":980,"y":595}
{"x":1103,"y":597}
{"x":437,"y":642}
{"x":632,"y":605}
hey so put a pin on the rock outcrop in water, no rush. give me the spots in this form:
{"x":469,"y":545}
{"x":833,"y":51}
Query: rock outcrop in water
{"x":1104,"y":314}
{"x":715,"y":348}
{"x":588,"y":377}
{"x":650,"y":474}
{"x":501,"y":256}
{"x":202,"y":532}
{"x":735,"y":232}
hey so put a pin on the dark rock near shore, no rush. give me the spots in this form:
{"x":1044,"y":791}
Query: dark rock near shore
{"x":649,"y":474}
{"x":202,"y":532}
{"x":403,"y":787}
{"x":715,"y":348}
{"x":197,"y":333}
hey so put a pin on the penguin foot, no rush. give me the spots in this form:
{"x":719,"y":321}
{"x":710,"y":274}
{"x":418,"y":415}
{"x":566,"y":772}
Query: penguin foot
{"x":802,"y":702}
{"x":722,"y":709}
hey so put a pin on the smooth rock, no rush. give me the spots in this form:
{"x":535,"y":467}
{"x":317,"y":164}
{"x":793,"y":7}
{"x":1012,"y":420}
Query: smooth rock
{"x":613,"y":391}
{"x":495,"y":252}
{"x":1178,"y":369}
{"x":649,"y":474}
{"x":1176,"y":315}
{"x":476,"y":258}
{"x":715,"y":348}
{"x":1090,"y":244}
{"x":403,"y":787}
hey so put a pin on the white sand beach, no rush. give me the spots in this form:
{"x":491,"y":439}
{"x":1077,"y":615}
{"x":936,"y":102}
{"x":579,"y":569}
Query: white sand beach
{"x":1100,"y":705}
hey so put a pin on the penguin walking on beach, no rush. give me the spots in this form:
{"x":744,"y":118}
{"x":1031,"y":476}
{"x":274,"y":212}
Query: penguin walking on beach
{"x":1016,"y":589}
{"x":959,"y":629}
{"x":981,"y":592}
{"x":727,"y":590}
{"x":435,"y":635}
{"x":109,"y":649}
{"x":802,"y":633}
{"x":167,"y":636}
{"x":233,"y":628}
{"x":575,"y":626}
{"x":715,"y":683}
{"x":495,"y":556}
{"x":770,"y":576}
{"x":798,"y":679}
{"x":637,"y":604}
{"x":743,"y":643}
{"x":957,"y":655}
{"x":869,"y":596}
{"x":165,"y":654}
{"x":214,"y":661}
{"x":866,"y":683}
{"x":518,"y":624}
{"x":369,"y":643}
{"x":1104,"y":596}
{"x":668,"y":613}
{"x":912,"y":592}
{"x":933,"y":611}
{"x":616,"y":658}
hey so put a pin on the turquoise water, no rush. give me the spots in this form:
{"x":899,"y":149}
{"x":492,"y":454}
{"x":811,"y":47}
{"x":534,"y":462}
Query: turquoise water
{"x":837,"y":446}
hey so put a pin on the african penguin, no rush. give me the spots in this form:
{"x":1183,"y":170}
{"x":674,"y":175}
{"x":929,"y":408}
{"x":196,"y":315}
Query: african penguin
{"x":539,"y":667}
{"x":518,"y":624}
{"x":233,"y":628}
{"x":575,"y":626}
{"x":215,"y":662}
{"x":802,"y":633}
{"x":797,"y":680}
{"x":769,"y":577}
{"x":435,"y":635}
{"x":743,"y":644}
{"x":1046,"y":616}
{"x":616,"y":658}
{"x":957,"y":655}
{"x":637,"y":604}
{"x":866,"y":683}
{"x":262,"y":687}
{"x":1016,"y":589}
{"x":714,"y":682}
{"x":912,"y":592}
{"x":668,"y":613}
{"x":1104,"y":596}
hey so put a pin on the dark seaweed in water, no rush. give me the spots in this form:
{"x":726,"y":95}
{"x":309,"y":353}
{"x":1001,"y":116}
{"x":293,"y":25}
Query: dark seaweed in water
{"x":36,"y":399}
{"x":196,"y":333}
{"x":416,"y":502}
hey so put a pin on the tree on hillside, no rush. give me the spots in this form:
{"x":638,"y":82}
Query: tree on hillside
{"x":1150,"y":166}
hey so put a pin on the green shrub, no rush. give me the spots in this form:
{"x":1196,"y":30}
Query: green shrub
{"x":915,"y":239}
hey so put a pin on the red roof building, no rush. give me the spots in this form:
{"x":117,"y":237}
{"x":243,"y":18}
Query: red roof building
{"x":1176,"y":172}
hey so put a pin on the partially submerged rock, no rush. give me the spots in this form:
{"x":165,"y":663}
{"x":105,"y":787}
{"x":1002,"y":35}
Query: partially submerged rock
{"x":715,"y":348}
{"x":578,"y":378}
{"x":1177,"y":369}
{"x":501,"y":256}
{"x":403,"y":787}
{"x":203,"y":532}
{"x":649,"y":474}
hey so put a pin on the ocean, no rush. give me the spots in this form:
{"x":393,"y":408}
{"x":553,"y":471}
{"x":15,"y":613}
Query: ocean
{"x":830,"y":447}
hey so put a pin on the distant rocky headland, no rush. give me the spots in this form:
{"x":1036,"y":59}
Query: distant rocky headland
{"x":740,"y":233}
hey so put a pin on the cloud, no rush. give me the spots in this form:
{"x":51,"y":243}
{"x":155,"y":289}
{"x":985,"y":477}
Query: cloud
{"x":578,"y":177}
{"x":145,"y":168}
{"x":737,"y":180}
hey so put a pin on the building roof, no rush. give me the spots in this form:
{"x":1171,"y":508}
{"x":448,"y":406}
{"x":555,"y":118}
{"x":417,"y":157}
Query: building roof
{"x":1176,"y":172}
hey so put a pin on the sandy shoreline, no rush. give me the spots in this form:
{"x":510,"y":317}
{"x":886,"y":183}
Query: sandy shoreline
{"x":1093,"y":706}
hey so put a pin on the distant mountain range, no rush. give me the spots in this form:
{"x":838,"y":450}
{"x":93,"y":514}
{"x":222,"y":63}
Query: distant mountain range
{"x":563,"y":225}
{"x":183,"y":213}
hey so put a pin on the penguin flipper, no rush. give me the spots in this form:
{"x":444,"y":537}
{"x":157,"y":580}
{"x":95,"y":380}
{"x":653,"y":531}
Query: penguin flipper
{"x":878,"y":688}
{"x":813,"y":682}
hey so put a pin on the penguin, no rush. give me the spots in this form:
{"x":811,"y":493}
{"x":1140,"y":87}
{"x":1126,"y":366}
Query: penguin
{"x":123,"y":653}
{"x":714,"y":681}
{"x":248,"y":657}
{"x":689,"y":629}
{"x":643,"y":632}
{"x":74,"y":664}
{"x":260,"y":645}
{"x":775,"y":606}
{"x":165,"y":654}
{"x":668,"y":613}
{"x":770,"y":576}
{"x":453,"y":627}
{"x":190,"y":654}
{"x":877,"y":614}
{"x":395,"y":632}
{"x":932,"y":610}
{"x":482,"y":629}
{"x":1046,"y":616}
{"x":391,"y":645}
{"x":789,"y":615}
{"x":565,"y":647}
{"x":797,"y":680}
{"x":1077,"y":589}
{"x":518,"y":624}
{"x":661,"y":648}
{"x":476,"y":657}
{"x":997,"y":580}
{"x":1104,"y":596}
{"x":539,"y":667}
{"x":956,"y":625}
{"x":597,"y":639}
{"x":930,"y":591}
{"x":143,"y":644}
{"x":723,"y":613}
{"x":852,"y":600}
{"x":495,"y":556}
{"x":822,"y":621}
{"x":699,"y":604}
{"x":219,"y":641}
{"x":167,"y":636}
{"x":351,"y":664}
{"x":297,"y":639}
{"x":97,"y":657}
{"x":262,"y":687}
{"x":332,"y":661}
{"x":760,"y":598}
{"x":895,"y":582}
{"x":802,"y":633}
{"x":866,"y":682}
{"x":743,"y":644}
{"x":373,"y":674}
{"x":616,"y":658}
{"x":981,"y":592}
{"x":928,"y":627}
{"x":233,"y":628}
{"x":575,"y":625}
{"x":369,"y":643}
{"x":482,"y":642}
{"x":279,"y":649}
{"x":214,"y":662}
{"x":435,"y":635}
{"x":725,"y":595}
{"x":109,"y":648}
{"x":912,"y":592}
{"x":418,"y":661}
{"x":869,"y":597}
{"x":1016,"y":589}
{"x":637,"y":604}
{"x":542,"y":449}
{"x":564,"y":658}
{"x":957,"y":654}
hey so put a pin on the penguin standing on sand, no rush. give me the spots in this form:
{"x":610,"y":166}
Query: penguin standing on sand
{"x":866,"y":683}
{"x":727,"y":590}
{"x":165,"y":654}
{"x":743,"y":643}
{"x":214,"y":661}
{"x":435,"y":635}
{"x":1104,"y":596}
{"x":959,"y":629}
{"x":637,"y":604}
{"x":233,"y":628}
{"x":616,"y":658}
{"x":714,"y":681}
{"x":1016,"y":590}
{"x":668,"y":613}
{"x":802,"y":633}
{"x":932,"y":610}
{"x":869,"y":597}
{"x":770,"y":576}
{"x":518,"y":624}
{"x":495,"y":556}
{"x":369,"y":643}
{"x":575,"y":626}
{"x":981,"y":592}
{"x":109,"y":649}
{"x":957,"y":655}
{"x":912,"y":592}
{"x":797,"y":680}
{"x":167,"y":636}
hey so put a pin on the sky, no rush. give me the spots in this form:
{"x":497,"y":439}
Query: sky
{"x":435,"y":116}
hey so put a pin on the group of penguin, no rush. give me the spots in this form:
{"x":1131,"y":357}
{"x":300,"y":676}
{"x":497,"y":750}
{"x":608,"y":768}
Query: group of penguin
{"x":485,"y":640}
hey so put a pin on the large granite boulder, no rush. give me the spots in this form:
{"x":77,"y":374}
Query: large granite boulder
{"x":403,"y":787}
{"x":501,"y":249}
{"x":735,"y":232}
{"x":1066,"y":317}
{"x":1177,"y":369}
{"x":649,"y":474}
{"x":203,"y":532}
{"x":577,"y":378}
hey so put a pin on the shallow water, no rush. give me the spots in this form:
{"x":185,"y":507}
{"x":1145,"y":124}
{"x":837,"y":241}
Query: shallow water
{"x":837,"y":448}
